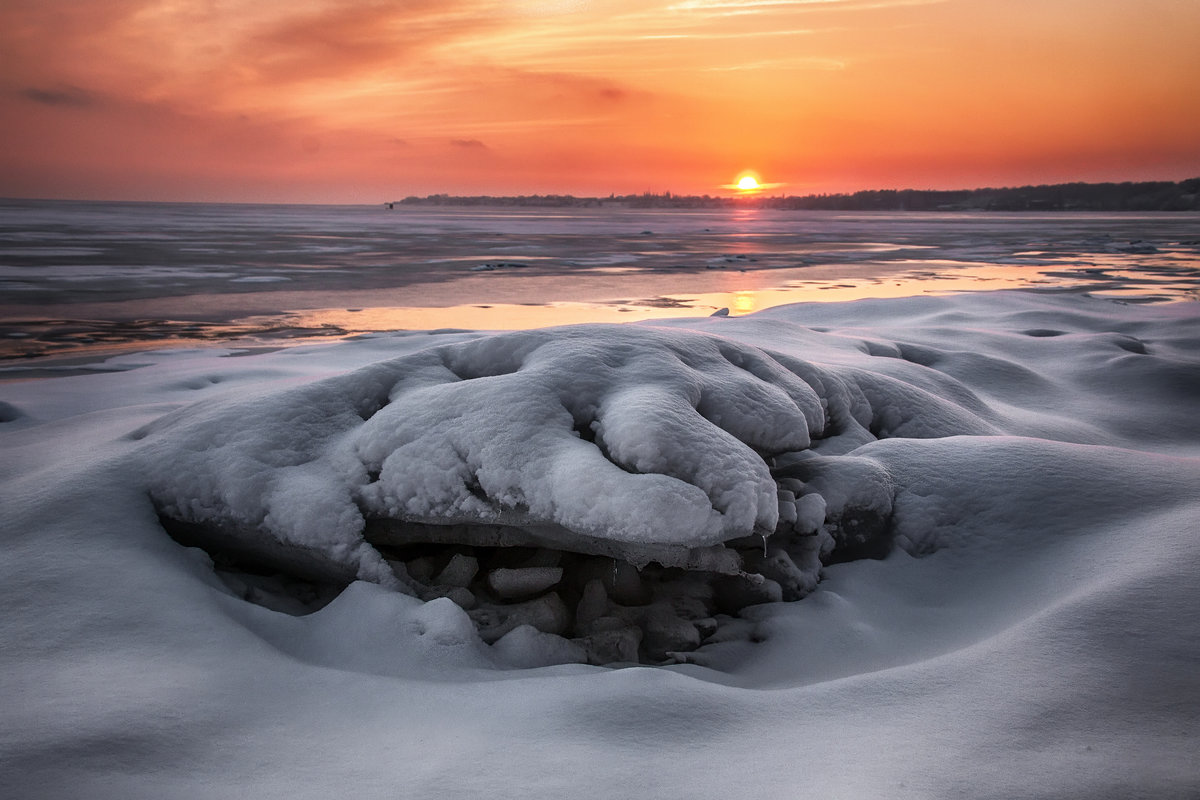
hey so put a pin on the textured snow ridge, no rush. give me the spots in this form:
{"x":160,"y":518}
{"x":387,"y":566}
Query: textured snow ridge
{"x":617,"y":484}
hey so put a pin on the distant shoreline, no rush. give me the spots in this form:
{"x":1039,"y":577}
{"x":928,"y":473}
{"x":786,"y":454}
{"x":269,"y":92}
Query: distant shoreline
{"x":1128,"y":196}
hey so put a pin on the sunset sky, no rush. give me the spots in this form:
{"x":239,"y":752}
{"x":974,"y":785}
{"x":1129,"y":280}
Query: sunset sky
{"x":358,"y":101}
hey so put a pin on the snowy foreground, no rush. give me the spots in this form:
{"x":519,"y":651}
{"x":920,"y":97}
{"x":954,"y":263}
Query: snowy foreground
{"x":926,"y":547}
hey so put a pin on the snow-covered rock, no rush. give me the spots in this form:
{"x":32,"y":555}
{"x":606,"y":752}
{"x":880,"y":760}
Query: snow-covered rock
{"x":631,"y":442}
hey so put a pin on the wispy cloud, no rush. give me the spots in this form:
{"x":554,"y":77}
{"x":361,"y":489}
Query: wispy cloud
{"x":712,"y":36}
{"x":829,"y":64}
{"x":761,"y":6}
{"x":704,"y":5}
{"x":350,"y":39}
{"x":63,"y":96}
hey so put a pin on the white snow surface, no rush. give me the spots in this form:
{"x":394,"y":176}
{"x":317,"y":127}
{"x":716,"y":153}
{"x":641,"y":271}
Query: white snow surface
{"x":1033,"y":633}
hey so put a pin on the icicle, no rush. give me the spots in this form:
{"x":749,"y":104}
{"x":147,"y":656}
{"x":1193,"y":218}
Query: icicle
{"x":764,"y":538}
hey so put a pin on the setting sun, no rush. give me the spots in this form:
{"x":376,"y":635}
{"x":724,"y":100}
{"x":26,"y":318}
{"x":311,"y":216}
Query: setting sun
{"x":748,"y":183}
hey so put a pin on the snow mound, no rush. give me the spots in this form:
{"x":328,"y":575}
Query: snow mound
{"x":641,"y":445}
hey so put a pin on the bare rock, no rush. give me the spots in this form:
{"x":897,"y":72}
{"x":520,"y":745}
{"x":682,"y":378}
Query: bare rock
{"x":459,"y":572}
{"x":735,"y":592}
{"x":620,"y":578}
{"x":593,"y":604}
{"x":690,"y":607}
{"x":547,"y":613}
{"x":421,"y":569}
{"x":511,"y":584}
{"x":663,"y":632}
{"x":603,"y":624}
{"x":612,"y":647}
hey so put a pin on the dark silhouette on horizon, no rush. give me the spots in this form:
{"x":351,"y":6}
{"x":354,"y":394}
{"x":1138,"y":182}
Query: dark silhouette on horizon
{"x":1127,"y":196}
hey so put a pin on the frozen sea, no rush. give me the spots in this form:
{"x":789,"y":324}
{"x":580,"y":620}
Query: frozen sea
{"x":303,"y":502}
{"x":82,"y":277}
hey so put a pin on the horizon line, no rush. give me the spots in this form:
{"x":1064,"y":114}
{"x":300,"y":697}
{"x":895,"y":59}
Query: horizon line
{"x":600,"y":197}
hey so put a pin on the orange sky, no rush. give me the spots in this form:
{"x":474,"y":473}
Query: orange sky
{"x":365,"y":101}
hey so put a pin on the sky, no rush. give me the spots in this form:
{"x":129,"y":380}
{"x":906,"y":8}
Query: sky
{"x":364,"y":101}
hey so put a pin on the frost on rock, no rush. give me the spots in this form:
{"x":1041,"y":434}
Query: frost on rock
{"x":624,"y":487}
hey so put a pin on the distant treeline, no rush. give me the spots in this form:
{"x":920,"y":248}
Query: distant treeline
{"x":1144,"y":196}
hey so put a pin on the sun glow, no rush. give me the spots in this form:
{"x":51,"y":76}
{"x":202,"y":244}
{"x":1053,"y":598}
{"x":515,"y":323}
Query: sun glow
{"x":748,"y":183}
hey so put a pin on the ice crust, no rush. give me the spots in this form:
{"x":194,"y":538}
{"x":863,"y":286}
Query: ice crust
{"x":1010,"y":480}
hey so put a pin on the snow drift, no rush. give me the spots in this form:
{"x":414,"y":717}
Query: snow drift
{"x":982,"y":509}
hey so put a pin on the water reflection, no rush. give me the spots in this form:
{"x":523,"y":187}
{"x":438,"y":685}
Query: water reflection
{"x":150,"y":275}
{"x":751,"y":291}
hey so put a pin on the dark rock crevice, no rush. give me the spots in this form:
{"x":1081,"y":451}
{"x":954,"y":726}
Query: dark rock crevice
{"x":515,"y":572}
